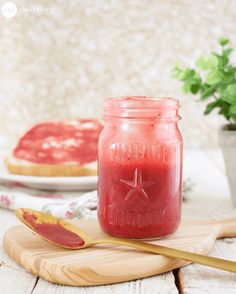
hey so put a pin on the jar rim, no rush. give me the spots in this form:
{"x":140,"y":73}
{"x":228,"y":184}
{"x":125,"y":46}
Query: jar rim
{"x":139,"y":101}
{"x":142,"y":107}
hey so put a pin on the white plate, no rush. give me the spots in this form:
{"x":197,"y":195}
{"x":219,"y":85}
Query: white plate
{"x":48,"y":183}
{"x":52,"y":183}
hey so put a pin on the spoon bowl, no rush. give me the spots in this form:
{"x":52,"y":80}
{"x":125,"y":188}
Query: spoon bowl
{"x":53,"y":230}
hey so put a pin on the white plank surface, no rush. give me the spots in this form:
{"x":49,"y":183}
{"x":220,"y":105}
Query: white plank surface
{"x":206,"y":172}
{"x":13,"y":278}
{"x":197,"y":279}
{"x":154,"y":285}
{"x":209,"y":200}
{"x":15,"y":281}
{"x":7,"y":220}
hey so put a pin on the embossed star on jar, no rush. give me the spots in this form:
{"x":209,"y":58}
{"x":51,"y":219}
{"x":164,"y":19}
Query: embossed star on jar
{"x":137,"y":186}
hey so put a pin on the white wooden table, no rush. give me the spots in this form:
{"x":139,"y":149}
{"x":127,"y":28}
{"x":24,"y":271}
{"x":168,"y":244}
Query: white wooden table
{"x":209,"y":199}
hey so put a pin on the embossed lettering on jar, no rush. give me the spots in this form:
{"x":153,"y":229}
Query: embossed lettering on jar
{"x":140,"y":167}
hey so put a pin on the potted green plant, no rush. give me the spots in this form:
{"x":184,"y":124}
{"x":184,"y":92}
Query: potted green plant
{"x":214,"y":80}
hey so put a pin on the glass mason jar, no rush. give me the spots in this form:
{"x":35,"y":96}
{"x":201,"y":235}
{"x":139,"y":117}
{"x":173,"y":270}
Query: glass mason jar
{"x":140,"y":167}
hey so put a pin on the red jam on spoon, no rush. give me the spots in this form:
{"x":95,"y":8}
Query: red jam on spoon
{"x":54,"y":232}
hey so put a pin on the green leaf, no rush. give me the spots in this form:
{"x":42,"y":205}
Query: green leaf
{"x":227,"y":52}
{"x":224,"y":110}
{"x":183,"y":74}
{"x":187,"y":87}
{"x":214,"y":77}
{"x":189,"y":73}
{"x":222,"y":59}
{"x":175,"y":71}
{"x":190,"y":78}
{"x":195,"y":88}
{"x":232,"y":109}
{"x":227,"y":79}
{"x":230,"y":94}
{"x":207,"y":63}
{"x":206,"y":92}
{"x":232,"y":112}
{"x":211,"y":106}
{"x":223,"y":41}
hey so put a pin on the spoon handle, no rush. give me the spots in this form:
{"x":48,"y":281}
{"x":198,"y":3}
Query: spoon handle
{"x":214,"y":262}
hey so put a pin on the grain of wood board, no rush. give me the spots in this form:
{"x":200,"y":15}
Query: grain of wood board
{"x":101,"y":265}
{"x":164,"y":283}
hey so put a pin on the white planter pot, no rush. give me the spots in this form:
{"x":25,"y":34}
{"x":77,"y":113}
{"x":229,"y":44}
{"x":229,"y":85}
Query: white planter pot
{"x":227,"y":139}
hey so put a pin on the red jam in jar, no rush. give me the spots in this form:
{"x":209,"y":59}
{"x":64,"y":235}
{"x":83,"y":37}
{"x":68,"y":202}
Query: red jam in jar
{"x":140,"y":168}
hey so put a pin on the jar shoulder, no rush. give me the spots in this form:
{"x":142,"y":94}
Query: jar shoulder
{"x":145,"y":134}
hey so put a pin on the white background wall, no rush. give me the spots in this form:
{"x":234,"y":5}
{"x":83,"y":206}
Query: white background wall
{"x":65,"y":61}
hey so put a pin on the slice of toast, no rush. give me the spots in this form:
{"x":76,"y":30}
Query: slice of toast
{"x":60,"y":149}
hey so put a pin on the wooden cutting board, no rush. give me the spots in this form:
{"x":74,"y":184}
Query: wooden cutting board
{"x":105,"y":264}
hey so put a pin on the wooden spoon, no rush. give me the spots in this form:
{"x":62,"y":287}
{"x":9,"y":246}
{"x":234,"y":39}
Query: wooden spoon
{"x":66,"y":235}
